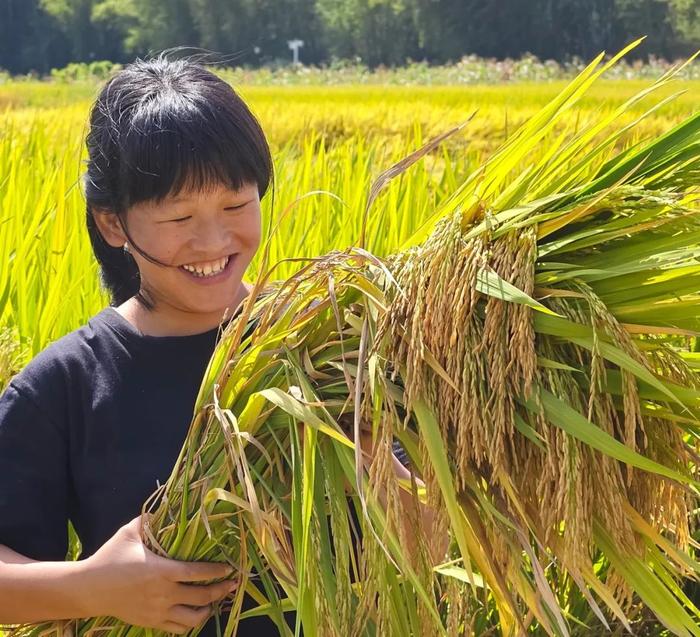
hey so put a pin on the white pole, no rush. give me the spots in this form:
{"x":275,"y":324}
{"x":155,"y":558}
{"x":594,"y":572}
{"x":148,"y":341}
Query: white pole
{"x":295,"y":45}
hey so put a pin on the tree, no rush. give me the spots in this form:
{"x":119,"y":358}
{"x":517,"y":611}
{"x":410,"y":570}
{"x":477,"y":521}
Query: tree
{"x":28,"y":38}
{"x":41,"y":34}
{"x":647,"y":17}
{"x":90,"y":27}
{"x":685,"y":16}
{"x":378,"y":31}
{"x":257,"y":30}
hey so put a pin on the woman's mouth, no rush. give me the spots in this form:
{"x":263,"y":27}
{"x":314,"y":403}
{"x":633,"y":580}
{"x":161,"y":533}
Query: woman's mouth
{"x":210,"y":273}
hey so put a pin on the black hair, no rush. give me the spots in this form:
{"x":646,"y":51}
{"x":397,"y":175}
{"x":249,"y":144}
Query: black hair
{"x":157,"y":127}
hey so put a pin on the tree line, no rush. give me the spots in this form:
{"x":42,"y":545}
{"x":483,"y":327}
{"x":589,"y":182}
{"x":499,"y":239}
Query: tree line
{"x":37,"y":35}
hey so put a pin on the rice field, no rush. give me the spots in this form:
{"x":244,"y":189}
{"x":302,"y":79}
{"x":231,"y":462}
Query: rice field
{"x":329,"y":141}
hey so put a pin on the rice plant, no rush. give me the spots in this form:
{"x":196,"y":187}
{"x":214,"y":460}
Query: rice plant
{"x":12,"y":357}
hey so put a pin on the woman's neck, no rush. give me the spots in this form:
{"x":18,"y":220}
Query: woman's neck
{"x":166,"y":320}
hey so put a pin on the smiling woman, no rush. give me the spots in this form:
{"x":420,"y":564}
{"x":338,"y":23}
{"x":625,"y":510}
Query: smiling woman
{"x":177,"y":165}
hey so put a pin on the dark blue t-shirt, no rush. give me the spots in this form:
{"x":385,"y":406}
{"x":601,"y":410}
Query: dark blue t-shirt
{"x":89,"y":429}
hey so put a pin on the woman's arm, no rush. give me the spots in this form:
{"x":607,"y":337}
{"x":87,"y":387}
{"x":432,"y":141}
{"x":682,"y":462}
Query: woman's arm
{"x":33,"y":591}
{"x":122,"y":579}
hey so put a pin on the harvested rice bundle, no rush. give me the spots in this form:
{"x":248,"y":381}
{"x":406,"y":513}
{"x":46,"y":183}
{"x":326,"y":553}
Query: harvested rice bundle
{"x":521,"y":347}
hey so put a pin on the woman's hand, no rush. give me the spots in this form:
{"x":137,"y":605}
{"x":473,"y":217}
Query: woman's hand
{"x":127,"y":581}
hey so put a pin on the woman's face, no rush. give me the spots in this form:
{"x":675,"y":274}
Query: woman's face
{"x":202,"y":231}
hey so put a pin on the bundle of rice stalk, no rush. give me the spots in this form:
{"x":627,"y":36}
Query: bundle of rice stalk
{"x":523,"y":347}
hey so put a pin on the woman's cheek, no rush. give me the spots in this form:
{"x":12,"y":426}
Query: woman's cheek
{"x":250,"y":235}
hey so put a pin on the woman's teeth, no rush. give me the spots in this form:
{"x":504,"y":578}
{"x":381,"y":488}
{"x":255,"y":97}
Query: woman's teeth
{"x":207,"y":269}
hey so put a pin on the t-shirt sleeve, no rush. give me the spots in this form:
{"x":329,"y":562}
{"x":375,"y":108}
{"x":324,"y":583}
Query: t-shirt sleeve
{"x":33,"y":479}
{"x":400,"y":453}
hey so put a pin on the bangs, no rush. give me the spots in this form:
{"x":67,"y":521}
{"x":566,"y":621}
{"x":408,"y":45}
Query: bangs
{"x":175,"y":144}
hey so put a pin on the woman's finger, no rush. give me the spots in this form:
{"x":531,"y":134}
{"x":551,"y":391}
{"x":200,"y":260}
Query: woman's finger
{"x":178,"y":571}
{"x":189,"y":615}
{"x":172,"y":627}
{"x":194,"y":595}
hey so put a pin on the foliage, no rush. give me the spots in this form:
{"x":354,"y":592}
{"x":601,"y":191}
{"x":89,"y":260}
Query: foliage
{"x":81,"y":72}
{"x":469,"y":70}
{"x":41,"y":34}
{"x":686,"y":18}
{"x":12,"y":356}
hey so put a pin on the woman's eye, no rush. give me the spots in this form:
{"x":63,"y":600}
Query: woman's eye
{"x":181,"y":219}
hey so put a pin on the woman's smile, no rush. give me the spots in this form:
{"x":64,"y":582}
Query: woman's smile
{"x":212,"y":272}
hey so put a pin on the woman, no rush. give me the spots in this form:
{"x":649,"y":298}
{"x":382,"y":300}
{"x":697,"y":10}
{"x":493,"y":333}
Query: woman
{"x":176,"y":168}
{"x":177,"y":165}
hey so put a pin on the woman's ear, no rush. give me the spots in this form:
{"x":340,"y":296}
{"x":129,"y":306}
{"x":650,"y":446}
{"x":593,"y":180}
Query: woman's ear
{"x":108,"y":224}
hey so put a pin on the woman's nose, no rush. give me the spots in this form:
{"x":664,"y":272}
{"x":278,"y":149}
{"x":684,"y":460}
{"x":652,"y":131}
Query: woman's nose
{"x":211,"y":236}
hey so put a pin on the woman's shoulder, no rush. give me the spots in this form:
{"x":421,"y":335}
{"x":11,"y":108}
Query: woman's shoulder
{"x":63,"y":363}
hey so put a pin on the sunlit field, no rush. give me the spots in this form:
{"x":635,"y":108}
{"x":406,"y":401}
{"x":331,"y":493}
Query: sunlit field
{"x":335,"y":140}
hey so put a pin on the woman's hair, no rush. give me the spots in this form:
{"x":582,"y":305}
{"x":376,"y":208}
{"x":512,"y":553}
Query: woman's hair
{"x":156,"y":127}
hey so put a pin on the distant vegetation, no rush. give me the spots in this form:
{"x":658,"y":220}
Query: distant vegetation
{"x":37,"y":35}
{"x":471,"y":69}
